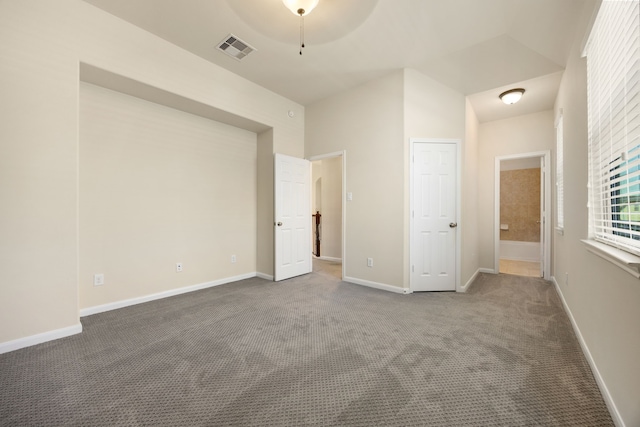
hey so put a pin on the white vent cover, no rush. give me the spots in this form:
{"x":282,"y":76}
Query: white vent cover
{"x":234,"y":47}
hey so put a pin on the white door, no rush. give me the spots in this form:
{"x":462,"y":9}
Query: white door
{"x":434,"y":217}
{"x":292,"y":216}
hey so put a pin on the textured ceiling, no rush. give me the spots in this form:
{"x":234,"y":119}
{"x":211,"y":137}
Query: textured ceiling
{"x":473,"y":46}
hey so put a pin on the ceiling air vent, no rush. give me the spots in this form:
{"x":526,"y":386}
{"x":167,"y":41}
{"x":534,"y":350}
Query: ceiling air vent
{"x":234,"y":47}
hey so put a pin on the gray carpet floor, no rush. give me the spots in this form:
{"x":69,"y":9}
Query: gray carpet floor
{"x":314,"y":351}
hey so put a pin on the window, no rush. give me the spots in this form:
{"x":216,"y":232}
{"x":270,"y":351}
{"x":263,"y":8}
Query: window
{"x":613,"y":78}
{"x":559,"y":174}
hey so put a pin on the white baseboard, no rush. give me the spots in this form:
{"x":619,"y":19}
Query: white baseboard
{"x":139,"y":300}
{"x":376,"y":285}
{"x":328,"y":258}
{"x":264,"y":276}
{"x":8,"y":346}
{"x":613,"y":410}
{"x":465,"y":288}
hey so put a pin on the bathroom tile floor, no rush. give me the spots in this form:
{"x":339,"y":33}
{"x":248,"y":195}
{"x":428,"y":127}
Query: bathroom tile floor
{"x":520,"y":268}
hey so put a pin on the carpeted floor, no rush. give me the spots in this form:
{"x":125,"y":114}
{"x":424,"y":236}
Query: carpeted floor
{"x":314,"y":351}
{"x":330,"y":269}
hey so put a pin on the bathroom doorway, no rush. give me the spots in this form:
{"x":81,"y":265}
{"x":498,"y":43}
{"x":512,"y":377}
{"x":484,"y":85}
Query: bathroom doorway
{"x":522,"y":201}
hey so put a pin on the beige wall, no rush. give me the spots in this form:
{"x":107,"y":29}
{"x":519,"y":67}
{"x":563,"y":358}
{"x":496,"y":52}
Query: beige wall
{"x":38,"y":170}
{"x":523,"y":134}
{"x":157,"y":187}
{"x":265,"y":263}
{"x":469,"y":209}
{"x":42,"y":45}
{"x":520,"y":205}
{"x":603,"y":299}
{"x":524,"y":163}
{"x":367,"y":122}
{"x":373,"y":123}
{"x":329,"y":172}
{"x":433,"y":111}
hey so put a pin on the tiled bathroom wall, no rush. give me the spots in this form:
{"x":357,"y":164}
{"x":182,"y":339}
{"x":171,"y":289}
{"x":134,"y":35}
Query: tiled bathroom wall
{"x":520,"y":205}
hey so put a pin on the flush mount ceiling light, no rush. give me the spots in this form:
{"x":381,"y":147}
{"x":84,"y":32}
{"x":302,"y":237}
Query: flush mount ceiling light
{"x":331,"y":20}
{"x":301,"y":8}
{"x":511,"y":96}
{"x":296,"y":6}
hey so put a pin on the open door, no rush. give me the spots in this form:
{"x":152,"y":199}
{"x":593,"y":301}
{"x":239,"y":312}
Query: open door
{"x":292,"y":192}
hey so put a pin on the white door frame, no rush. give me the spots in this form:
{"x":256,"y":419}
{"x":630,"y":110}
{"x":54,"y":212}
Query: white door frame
{"x":458,"y":143}
{"x":547,"y":209}
{"x":342,"y":154}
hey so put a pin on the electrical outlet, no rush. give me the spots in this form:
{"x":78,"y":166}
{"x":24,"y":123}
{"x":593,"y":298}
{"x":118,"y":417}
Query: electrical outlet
{"x":233,"y":259}
{"x":178,"y":267}
{"x":98,"y":279}
{"x":369,"y":262}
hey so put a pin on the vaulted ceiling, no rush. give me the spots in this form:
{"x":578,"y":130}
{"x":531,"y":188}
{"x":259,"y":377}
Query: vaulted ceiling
{"x":477,"y":47}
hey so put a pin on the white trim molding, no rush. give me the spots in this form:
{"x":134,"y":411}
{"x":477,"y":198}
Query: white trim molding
{"x":376,"y":285}
{"x":466,"y":286}
{"x":475,"y":275}
{"x":327,"y":258}
{"x":8,"y":346}
{"x":160,"y":295}
{"x":608,"y":399}
{"x":265,"y":276}
{"x":326,"y":156}
{"x":625,"y":260}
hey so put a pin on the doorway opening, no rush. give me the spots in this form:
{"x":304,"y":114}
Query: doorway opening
{"x":328,"y":174}
{"x":522,"y":215}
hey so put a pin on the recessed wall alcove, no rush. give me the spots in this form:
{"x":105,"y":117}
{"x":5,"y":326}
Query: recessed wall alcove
{"x":165,"y":179}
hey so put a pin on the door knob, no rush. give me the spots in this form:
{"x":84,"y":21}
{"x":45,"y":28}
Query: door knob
{"x":453,"y":224}
{"x":279,"y":224}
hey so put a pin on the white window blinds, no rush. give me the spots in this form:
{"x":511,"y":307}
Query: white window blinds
{"x":560,"y":173}
{"x":613,"y":74}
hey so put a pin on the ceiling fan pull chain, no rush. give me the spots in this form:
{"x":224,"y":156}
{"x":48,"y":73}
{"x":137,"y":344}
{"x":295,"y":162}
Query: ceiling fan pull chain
{"x":301,"y":31}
